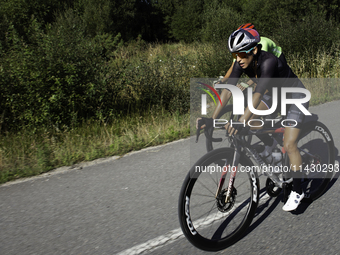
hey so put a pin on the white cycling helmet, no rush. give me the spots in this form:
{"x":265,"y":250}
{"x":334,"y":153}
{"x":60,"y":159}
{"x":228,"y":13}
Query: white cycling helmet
{"x":243,"y":39}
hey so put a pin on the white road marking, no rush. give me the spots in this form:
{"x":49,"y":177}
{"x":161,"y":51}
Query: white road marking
{"x":177,"y":234}
{"x":155,"y":243}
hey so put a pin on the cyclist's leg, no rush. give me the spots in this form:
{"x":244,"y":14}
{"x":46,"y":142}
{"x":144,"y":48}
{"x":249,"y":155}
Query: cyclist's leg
{"x":291,"y":135}
{"x":294,"y":119}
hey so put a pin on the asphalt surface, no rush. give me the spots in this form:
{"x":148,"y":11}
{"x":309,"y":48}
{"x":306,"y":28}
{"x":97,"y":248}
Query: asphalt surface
{"x":129,"y":206}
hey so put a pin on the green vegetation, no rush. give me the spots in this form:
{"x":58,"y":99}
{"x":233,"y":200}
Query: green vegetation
{"x":28,"y":153}
{"x":84,"y":79}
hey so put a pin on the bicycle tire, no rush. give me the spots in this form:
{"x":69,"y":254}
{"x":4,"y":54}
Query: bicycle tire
{"x":200,"y":216}
{"x":315,"y":139}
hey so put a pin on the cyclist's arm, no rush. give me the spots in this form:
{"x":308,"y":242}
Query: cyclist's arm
{"x":225,"y":95}
{"x":268,"y":71}
{"x":225,"y":78}
{"x":256,"y":102}
{"x":247,"y":113}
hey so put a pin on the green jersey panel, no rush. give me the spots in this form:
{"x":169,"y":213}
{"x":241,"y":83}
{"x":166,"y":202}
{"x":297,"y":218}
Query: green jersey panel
{"x":269,"y":46}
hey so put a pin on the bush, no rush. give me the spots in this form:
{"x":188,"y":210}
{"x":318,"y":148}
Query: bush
{"x":143,"y":85}
{"x":65,"y":77}
{"x":219,"y":22}
{"x":311,"y":34}
{"x":57,"y":80}
{"x":214,"y":59}
{"x":187,"y":22}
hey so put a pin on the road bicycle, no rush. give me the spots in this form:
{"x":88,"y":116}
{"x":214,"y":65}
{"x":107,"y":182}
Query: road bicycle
{"x":220,"y":194}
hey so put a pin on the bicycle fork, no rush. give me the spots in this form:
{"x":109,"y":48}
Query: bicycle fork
{"x":233,"y":171}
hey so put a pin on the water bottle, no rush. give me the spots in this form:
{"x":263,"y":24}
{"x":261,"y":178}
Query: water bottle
{"x":264,"y":154}
{"x":277,"y":160}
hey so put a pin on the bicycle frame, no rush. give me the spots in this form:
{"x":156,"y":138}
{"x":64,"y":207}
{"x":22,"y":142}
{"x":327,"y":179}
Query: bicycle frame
{"x":239,"y":143}
{"x":240,"y":146}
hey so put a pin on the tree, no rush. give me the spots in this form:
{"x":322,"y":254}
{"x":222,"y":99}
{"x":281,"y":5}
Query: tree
{"x":95,"y":15}
{"x":187,"y":22}
{"x":20,"y":12}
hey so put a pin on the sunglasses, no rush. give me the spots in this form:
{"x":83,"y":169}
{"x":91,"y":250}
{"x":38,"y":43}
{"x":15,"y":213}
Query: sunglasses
{"x":242,"y":54}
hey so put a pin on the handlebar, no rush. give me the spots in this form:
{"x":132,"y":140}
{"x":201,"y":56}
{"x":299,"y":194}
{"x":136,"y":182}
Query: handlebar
{"x":208,"y":132}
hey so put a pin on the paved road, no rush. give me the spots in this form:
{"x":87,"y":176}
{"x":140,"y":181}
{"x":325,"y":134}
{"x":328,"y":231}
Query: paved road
{"x":129,"y":206}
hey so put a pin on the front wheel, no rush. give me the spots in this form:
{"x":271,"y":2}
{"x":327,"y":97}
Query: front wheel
{"x":208,"y":221}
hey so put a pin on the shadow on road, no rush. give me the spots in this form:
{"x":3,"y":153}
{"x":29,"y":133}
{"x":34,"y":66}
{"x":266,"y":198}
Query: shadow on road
{"x":272,"y":202}
{"x":337,"y":174}
{"x":302,"y":208}
{"x":268,"y":207}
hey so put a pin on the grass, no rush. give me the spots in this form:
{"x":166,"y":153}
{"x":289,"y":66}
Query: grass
{"x":31,"y":152}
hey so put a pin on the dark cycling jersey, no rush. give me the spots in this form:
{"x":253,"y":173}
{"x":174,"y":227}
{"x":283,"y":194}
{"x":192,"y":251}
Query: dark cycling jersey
{"x":268,"y":67}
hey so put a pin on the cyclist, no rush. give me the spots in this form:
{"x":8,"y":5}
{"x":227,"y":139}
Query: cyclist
{"x":266,"y":45}
{"x":257,"y":65}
